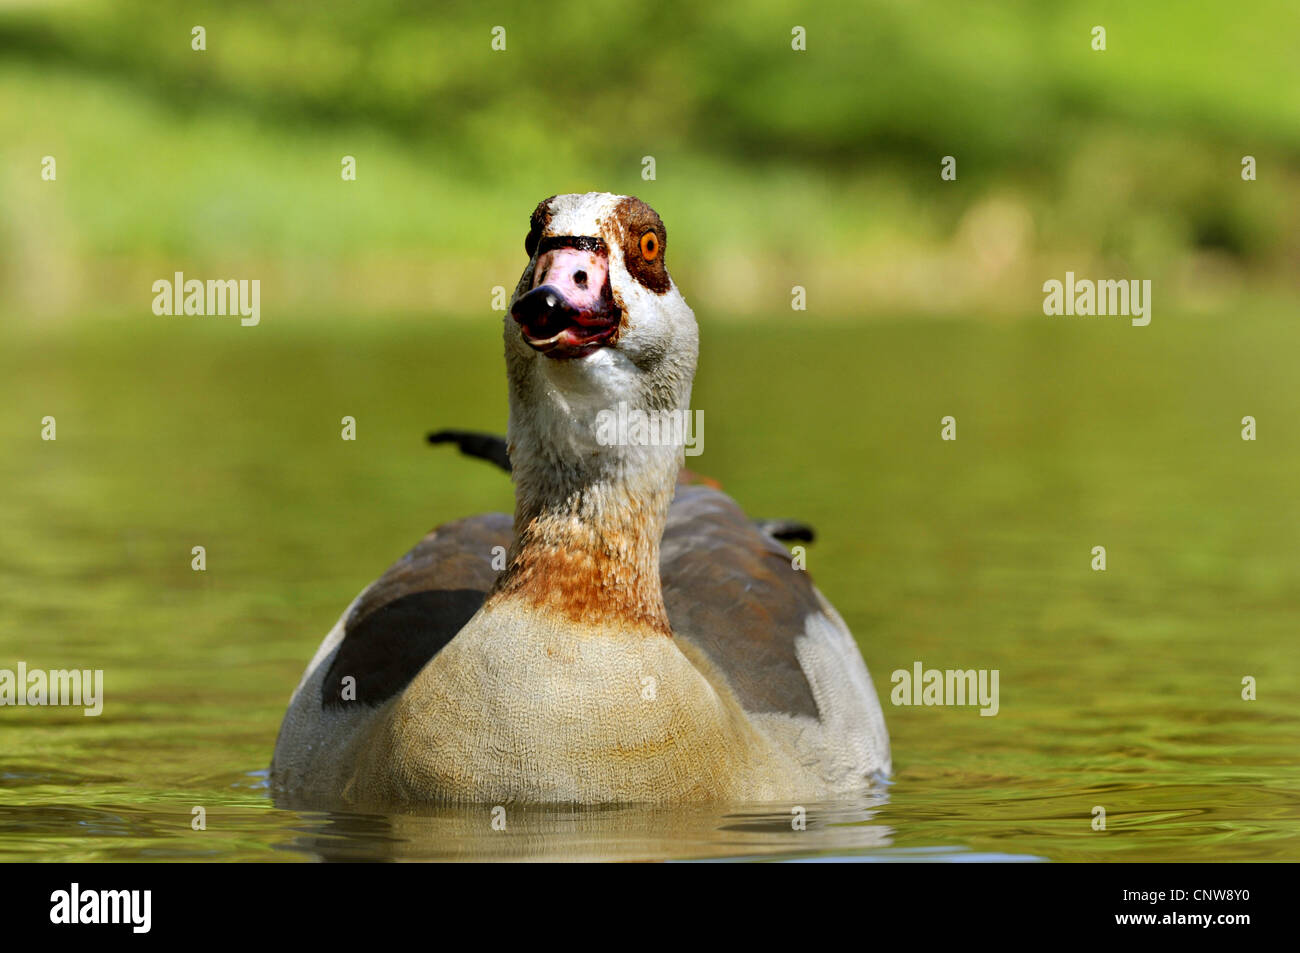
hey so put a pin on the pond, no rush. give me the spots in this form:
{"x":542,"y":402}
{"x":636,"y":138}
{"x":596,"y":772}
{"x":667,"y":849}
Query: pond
{"x":1120,"y":689}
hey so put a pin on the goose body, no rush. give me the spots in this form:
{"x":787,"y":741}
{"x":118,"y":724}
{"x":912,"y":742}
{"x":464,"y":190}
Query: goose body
{"x":644,"y":642}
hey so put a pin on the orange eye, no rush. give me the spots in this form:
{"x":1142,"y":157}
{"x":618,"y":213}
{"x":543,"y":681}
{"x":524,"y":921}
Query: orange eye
{"x":649,"y":246}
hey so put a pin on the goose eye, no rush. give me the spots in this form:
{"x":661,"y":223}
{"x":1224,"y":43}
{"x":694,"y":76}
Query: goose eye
{"x":649,"y":246}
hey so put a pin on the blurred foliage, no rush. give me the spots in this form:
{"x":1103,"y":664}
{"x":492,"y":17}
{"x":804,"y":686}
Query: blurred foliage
{"x":774,"y":167}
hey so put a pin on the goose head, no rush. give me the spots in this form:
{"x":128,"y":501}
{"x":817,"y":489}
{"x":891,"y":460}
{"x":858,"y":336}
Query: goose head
{"x":595,"y":321}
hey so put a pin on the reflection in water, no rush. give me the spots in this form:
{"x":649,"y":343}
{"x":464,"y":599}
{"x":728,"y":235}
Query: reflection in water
{"x":623,"y":832}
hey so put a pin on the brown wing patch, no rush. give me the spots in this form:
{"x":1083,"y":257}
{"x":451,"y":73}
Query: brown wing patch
{"x":732,"y":592}
{"x":406,"y":616}
{"x":645,"y":262}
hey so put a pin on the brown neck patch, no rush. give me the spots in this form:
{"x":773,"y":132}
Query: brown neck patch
{"x":603,"y":572}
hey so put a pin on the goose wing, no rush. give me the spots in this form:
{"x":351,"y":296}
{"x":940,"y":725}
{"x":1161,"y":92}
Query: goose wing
{"x":731,"y":591}
{"x":408,"y":614}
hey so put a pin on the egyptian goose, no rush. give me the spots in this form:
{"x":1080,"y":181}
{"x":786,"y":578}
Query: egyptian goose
{"x":644,"y":641}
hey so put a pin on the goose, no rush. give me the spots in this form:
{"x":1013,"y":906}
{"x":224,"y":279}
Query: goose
{"x":641,"y":641}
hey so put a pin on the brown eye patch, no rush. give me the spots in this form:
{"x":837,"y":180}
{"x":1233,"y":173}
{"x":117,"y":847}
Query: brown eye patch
{"x":537,"y":224}
{"x":644,"y":240}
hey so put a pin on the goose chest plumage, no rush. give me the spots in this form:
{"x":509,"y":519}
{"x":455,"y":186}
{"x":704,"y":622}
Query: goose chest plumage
{"x":644,"y":642}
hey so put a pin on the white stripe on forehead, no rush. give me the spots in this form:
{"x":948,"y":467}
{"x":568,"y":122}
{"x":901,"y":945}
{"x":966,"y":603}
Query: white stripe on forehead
{"x":581,"y":214}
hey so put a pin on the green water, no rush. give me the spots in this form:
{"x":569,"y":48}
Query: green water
{"x":1119,"y":688}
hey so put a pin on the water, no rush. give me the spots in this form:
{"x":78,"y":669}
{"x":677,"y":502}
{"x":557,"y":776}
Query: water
{"x":1119,"y":689}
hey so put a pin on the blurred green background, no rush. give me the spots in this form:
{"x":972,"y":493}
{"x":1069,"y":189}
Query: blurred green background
{"x":774,"y":169}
